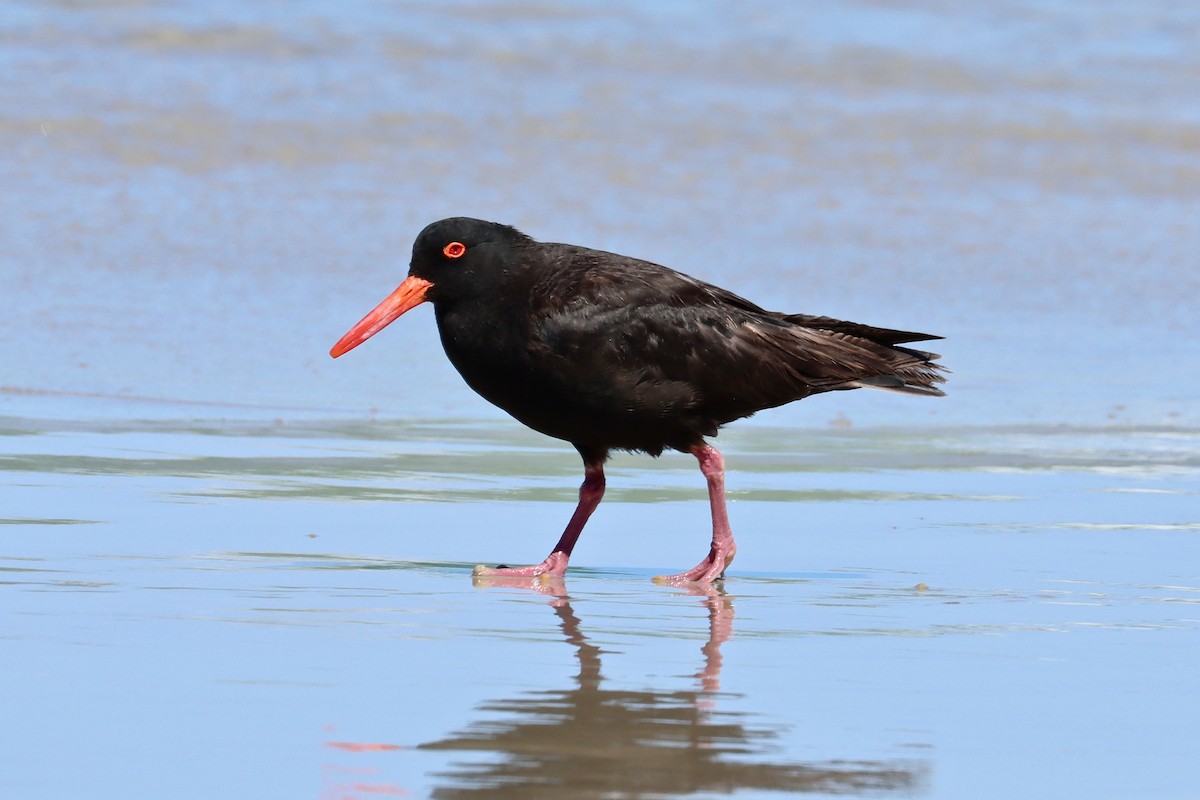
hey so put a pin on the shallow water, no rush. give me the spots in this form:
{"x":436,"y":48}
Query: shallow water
{"x":230,"y":566}
{"x":284,"y":610}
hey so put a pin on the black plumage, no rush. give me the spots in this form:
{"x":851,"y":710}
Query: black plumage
{"x":610,"y":352}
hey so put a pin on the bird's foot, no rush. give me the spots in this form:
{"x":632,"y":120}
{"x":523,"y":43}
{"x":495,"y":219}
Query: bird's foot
{"x":555,"y":566}
{"x":712,"y":568}
{"x":553,"y":586}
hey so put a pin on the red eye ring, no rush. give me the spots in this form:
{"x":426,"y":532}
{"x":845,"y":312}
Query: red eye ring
{"x":454,"y":250}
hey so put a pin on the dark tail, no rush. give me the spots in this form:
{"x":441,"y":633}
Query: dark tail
{"x":912,"y":371}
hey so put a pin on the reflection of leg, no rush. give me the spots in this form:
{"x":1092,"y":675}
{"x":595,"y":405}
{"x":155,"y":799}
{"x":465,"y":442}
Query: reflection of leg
{"x":720,"y":554}
{"x":720,"y":629}
{"x":590,"y":494}
{"x":588,"y":653}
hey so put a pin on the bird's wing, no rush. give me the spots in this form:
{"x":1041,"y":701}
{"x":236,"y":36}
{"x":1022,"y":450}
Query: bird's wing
{"x":657,"y":342}
{"x":625,"y":332}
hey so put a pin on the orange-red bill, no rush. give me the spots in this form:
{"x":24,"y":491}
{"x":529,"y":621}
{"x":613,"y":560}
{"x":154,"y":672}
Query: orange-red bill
{"x":408,"y":295}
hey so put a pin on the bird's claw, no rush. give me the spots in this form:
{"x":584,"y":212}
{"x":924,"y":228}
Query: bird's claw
{"x":711,"y":569}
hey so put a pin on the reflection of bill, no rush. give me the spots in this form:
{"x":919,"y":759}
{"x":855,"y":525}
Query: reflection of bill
{"x":592,"y":742}
{"x":341,"y":781}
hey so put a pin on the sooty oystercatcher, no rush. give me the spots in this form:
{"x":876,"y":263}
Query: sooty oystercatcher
{"x":610,"y":353}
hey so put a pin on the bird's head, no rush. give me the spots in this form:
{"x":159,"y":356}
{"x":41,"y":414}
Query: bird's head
{"x":452,"y":259}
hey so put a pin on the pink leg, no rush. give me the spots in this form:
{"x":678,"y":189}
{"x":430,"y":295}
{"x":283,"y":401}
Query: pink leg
{"x":590,"y":494}
{"x":720,"y":555}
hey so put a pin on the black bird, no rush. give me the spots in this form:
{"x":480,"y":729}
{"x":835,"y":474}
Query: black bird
{"x":610,"y":353}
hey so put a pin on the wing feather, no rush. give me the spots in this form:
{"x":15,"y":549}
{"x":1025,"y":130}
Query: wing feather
{"x":658,"y":343}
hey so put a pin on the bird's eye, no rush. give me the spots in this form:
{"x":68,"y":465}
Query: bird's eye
{"x":454,"y":250}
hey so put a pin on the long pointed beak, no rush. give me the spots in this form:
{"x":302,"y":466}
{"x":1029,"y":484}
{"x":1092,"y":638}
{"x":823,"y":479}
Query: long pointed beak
{"x":409,"y":294}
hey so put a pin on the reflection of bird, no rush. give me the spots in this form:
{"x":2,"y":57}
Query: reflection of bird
{"x":588,"y":741}
{"x":612,"y":353}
